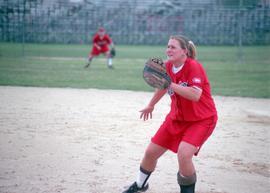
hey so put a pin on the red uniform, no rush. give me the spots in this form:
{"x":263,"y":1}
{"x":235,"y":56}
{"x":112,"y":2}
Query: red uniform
{"x":103,"y":43}
{"x":189,"y":121}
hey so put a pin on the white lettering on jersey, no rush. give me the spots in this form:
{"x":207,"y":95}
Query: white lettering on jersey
{"x":196,"y":80}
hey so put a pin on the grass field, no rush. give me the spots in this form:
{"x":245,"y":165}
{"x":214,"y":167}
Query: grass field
{"x":46,"y":65}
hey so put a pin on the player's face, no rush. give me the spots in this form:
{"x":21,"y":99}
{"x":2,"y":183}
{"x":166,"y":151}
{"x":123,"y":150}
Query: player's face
{"x":175,"y":53}
{"x":101,"y":33}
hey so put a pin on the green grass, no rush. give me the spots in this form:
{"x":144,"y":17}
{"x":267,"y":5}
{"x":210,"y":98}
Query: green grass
{"x":46,"y":65}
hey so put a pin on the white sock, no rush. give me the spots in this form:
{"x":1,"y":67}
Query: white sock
{"x":142,"y":177}
{"x":109,"y":62}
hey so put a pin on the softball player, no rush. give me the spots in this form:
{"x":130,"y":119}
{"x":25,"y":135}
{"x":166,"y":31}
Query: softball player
{"x":191,"y":120}
{"x":101,"y":45}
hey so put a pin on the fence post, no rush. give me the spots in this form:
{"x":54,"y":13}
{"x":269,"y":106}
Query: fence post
{"x":23,"y":28}
{"x":240,"y":47}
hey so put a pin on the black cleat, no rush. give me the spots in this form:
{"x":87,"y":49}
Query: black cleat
{"x":110,"y":67}
{"x":87,"y":65}
{"x":134,"y":188}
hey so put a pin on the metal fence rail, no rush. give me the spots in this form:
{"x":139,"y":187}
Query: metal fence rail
{"x":57,"y":21}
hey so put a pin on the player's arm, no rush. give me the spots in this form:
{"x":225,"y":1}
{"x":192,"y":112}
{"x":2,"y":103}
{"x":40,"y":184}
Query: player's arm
{"x":110,"y":42}
{"x":147,"y":111}
{"x":97,"y":46}
{"x":95,"y":42}
{"x":157,"y":96}
{"x":192,"y":93}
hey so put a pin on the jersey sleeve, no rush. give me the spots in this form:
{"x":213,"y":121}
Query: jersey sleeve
{"x":196,"y":76}
{"x":95,"y":39}
{"x":108,"y":39}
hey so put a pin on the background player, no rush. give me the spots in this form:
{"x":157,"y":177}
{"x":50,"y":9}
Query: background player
{"x":190,"y":122}
{"x":101,"y":45}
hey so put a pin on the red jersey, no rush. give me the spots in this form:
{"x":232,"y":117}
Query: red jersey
{"x":182,"y":109}
{"x":105,"y":41}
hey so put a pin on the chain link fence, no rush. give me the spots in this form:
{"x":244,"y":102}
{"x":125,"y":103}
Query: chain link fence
{"x":134,"y":22}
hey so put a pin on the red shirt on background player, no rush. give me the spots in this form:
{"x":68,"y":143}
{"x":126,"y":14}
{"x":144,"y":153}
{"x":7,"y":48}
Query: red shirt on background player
{"x":189,"y":123}
{"x":101,"y":45}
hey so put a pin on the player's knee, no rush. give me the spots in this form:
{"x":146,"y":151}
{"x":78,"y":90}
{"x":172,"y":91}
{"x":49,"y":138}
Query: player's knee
{"x":107,"y":55}
{"x":185,"y":156}
{"x":183,"y":161}
{"x":186,"y":151}
{"x":150,"y":154}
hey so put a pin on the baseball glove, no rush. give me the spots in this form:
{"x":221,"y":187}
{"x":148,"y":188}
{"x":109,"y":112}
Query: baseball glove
{"x":112,"y":52}
{"x":155,"y":75}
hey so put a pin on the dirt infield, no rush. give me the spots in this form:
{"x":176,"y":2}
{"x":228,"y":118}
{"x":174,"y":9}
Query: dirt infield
{"x":91,"y":141}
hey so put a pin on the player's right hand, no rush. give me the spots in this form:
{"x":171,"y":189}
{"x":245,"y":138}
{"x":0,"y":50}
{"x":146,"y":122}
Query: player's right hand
{"x":146,"y":113}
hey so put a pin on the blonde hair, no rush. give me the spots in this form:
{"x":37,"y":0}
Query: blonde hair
{"x":187,"y":44}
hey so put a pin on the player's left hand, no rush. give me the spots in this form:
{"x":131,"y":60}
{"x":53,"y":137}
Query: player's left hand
{"x":112,"y":52}
{"x":155,"y":75}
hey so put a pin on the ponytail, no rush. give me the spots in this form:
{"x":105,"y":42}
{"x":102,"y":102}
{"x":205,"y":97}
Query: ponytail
{"x":191,"y":49}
